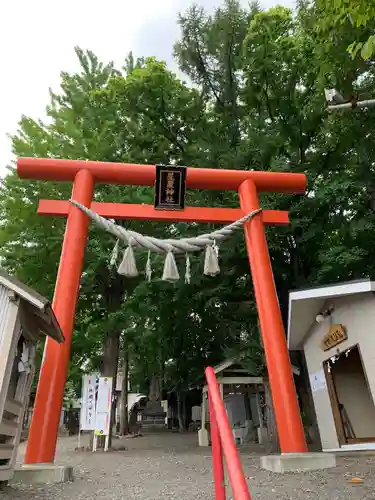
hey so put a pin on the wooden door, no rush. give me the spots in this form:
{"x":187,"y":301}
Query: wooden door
{"x":335,"y":405}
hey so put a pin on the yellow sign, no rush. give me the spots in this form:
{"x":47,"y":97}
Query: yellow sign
{"x":335,"y":336}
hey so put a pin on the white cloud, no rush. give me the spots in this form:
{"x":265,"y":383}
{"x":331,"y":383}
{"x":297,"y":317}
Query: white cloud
{"x":37,"y":42}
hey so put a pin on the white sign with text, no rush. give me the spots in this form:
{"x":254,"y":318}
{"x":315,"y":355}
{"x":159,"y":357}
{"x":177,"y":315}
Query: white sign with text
{"x":103,"y":407}
{"x":318,"y":381}
{"x":88,"y":406}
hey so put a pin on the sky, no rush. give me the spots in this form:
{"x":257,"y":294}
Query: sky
{"x":37,"y":43}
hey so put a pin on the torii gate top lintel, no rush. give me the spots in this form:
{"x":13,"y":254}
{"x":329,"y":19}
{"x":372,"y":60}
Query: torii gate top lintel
{"x":84,"y":175}
{"x":144,"y":175}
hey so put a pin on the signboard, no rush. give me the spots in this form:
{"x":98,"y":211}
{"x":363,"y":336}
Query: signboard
{"x":164,"y":405}
{"x":103,"y":407}
{"x":170,"y":187}
{"x":335,"y":336}
{"x":88,"y":405}
{"x":318,"y":381}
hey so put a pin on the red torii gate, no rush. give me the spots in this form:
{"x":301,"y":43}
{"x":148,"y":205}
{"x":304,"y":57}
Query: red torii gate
{"x":84,"y":175}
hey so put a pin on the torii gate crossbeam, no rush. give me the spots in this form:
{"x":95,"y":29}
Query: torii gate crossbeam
{"x":84,"y":175}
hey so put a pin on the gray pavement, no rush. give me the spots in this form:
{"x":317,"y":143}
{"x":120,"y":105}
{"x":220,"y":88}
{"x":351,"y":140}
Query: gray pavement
{"x":171,"y":465}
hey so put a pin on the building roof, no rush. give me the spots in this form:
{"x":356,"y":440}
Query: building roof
{"x":227,"y":363}
{"x":231,"y":362}
{"x":305,"y":304}
{"x":36,"y":304}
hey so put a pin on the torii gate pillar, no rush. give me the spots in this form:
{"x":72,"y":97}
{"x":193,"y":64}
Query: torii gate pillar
{"x":84,"y":174}
{"x":273,"y":336}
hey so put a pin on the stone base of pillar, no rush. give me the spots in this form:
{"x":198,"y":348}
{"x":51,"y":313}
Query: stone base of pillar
{"x":298,"y":462}
{"x":203,"y":437}
{"x":42,"y":474}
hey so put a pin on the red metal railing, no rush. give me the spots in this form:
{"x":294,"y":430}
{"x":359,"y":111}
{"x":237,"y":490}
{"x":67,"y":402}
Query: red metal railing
{"x":222,"y":443}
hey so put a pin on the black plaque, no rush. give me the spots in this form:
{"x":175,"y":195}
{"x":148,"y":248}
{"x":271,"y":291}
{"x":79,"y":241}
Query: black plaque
{"x":170,"y":187}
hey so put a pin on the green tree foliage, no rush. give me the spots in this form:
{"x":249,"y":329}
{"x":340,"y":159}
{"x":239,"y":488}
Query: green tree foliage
{"x":357,"y":15}
{"x":255,"y":102}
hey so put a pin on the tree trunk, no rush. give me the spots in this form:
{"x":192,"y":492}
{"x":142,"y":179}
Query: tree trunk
{"x":184,"y":412}
{"x":124,"y":410}
{"x":307,"y":405}
{"x":109,"y":369}
{"x":273,"y":445}
{"x":247,"y":405}
{"x":179,"y":413}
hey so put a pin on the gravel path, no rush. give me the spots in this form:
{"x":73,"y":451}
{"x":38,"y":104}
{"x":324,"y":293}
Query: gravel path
{"x":166,"y":466}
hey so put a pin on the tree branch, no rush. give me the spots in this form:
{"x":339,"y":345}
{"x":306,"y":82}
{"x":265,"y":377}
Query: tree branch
{"x":204,"y":72}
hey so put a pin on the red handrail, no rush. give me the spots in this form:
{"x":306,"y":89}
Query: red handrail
{"x":223,"y":441}
{"x":217,"y":454}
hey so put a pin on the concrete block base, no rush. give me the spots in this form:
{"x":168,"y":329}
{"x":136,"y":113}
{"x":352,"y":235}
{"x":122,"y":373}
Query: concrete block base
{"x":262,"y":435}
{"x":203,"y":437}
{"x":42,"y":473}
{"x":298,"y":462}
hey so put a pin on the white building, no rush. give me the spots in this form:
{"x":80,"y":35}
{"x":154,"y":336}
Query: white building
{"x":335,"y":327}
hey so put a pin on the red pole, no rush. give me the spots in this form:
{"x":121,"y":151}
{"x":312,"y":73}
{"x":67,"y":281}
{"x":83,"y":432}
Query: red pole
{"x":46,"y":416}
{"x":237,"y":479}
{"x":217,"y":455}
{"x":288,"y":418}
